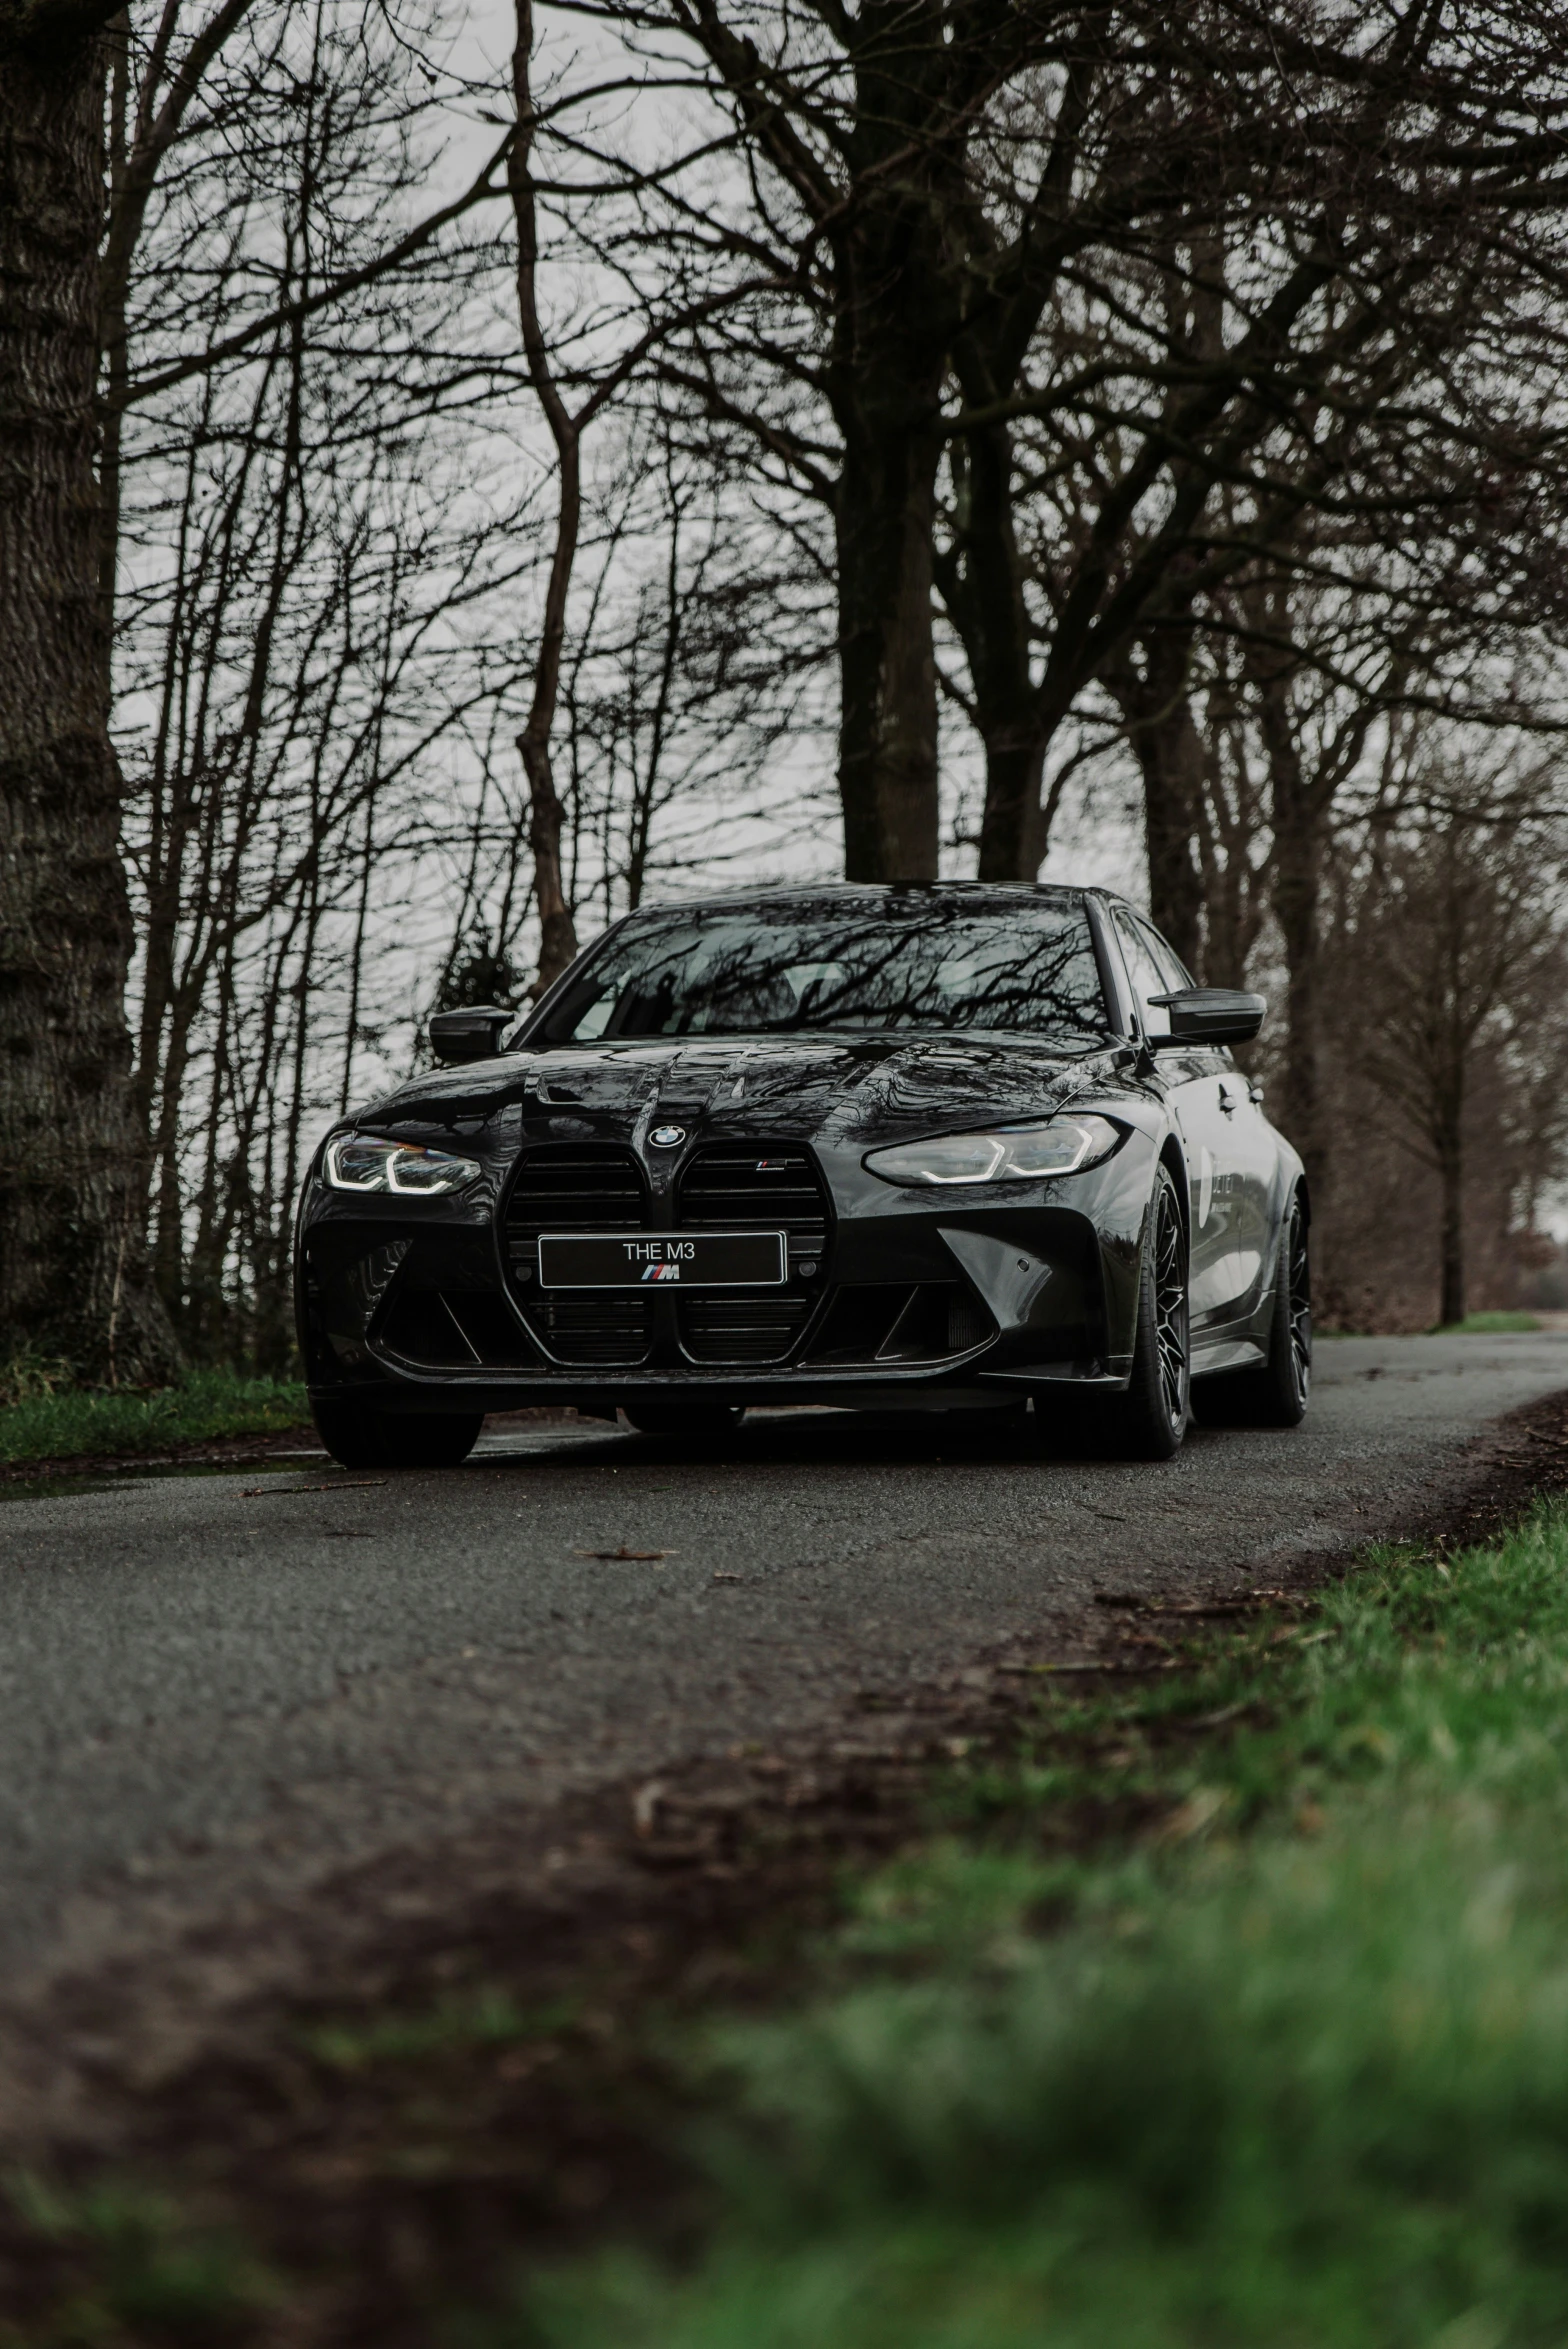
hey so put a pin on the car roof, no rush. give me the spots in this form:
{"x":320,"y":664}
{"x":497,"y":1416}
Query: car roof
{"x":853,"y":892}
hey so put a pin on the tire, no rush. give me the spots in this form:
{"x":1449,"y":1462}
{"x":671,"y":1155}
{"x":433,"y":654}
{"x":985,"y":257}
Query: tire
{"x":684,"y":1416}
{"x":1150,"y":1419}
{"x":1277,"y":1393}
{"x":358,"y":1437}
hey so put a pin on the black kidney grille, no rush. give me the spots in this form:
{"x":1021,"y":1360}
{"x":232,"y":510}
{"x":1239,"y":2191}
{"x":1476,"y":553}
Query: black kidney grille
{"x":600,"y":1187}
{"x":578,"y":1187}
{"x":574,"y":1187}
{"x":751,"y":1186}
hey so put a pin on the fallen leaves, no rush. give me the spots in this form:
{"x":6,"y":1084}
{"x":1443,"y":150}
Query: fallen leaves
{"x":1199,"y":1812}
{"x":645,"y":1805}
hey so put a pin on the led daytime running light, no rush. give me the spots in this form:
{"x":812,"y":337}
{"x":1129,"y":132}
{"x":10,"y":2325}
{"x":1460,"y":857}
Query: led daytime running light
{"x":999,"y":1154}
{"x":363,"y":1162}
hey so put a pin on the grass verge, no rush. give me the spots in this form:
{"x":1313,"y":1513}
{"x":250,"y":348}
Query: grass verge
{"x":1290,"y":2069}
{"x":1488,"y":1325}
{"x":65,"y":1423}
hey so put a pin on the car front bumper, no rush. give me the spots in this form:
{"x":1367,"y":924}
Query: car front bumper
{"x":911,"y":1298}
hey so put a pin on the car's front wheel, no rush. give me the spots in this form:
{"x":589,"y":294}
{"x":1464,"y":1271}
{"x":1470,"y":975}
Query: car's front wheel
{"x":1151,"y":1417}
{"x":358,"y":1437}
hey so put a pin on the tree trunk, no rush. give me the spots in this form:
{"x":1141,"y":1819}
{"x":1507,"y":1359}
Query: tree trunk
{"x":1452,"y":1170}
{"x":114,"y":350}
{"x":983,"y":591}
{"x":72,"y":1270}
{"x":887,"y":727}
{"x":557,"y":930}
{"x":893,"y":322}
{"x":1297,"y":908}
{"x":873,"y":143}
{"x":1297,"y":893}
{"x":1153,"y":701}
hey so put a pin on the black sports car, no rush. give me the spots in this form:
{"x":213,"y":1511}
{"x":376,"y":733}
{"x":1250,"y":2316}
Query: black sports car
{"x":936,"y":1146}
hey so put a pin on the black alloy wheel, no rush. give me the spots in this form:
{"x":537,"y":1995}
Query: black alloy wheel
{"x":1275,"y":1394}
{"x":1298,"y":1302}
{"x":1151,"y":1417}
{"x":358,"y":1437}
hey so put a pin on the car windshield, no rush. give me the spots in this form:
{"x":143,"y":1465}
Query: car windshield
{"x":890,"y":963}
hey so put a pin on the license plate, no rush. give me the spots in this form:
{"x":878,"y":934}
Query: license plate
{"x":637,"y":1260}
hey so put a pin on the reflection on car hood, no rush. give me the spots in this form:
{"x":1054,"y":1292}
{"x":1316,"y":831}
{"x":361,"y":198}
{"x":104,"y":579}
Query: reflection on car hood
{"x":867,"y":1088}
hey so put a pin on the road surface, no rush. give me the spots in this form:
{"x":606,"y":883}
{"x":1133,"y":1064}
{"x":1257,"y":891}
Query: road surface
{"x":222,"y":1688}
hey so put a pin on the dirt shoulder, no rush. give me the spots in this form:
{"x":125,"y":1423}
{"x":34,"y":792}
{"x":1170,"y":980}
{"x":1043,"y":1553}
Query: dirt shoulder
{"x":449,"y":2059}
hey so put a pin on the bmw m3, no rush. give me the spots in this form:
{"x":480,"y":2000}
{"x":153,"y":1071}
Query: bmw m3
{"x":942,"y":1146}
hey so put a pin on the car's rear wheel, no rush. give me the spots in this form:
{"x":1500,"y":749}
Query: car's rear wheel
{"x":685,"y":1416}
{"x":1150,"y":1419}
{"x":358,"y":1437}
{"x":1276,"y":1394}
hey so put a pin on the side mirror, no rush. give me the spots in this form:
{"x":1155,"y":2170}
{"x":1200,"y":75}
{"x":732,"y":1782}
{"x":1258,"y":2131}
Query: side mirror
{"x":469,"y":1034}
{"x":1210,"y":1015}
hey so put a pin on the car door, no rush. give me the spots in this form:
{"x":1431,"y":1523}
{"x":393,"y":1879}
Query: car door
{"x":1246,"y":1164}
{"x":1253,"y":1167}
{"x":1191,"y":1079}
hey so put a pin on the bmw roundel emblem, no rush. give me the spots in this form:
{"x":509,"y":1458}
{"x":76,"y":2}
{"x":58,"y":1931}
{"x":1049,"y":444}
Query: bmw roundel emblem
{"x":667,"y":1137}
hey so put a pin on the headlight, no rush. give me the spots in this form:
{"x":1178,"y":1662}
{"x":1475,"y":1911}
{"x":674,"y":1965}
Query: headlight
{"x":358,"y":1162}
{"x":1007,"y":1154}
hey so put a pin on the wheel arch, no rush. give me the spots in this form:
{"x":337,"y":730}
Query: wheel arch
{"x":1174,"y":1161}
{"x":1293,"y":1187}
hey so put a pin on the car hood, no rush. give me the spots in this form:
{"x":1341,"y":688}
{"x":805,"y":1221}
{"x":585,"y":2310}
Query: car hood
{"x":804,"y":1088}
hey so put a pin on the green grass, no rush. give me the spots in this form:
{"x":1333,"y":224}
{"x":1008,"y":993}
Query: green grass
{"x":1474,"y":1325}
{"x":1289,"y":2073}
{"x":1488,"y":1325}
{"x":52,"y":1422}
{"x":141,"y":2272}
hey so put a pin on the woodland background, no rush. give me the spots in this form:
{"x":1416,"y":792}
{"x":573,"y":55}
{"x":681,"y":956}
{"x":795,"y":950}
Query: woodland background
{"x":516,"y":465}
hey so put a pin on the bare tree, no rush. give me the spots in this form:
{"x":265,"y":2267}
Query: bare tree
{"x":73,"y":1277}
{"x":305,"y":561}
{"x":73,"y":1280}
{"x":866,"y":141}
{"x":1462,"y":924}
{"x":557,"y":936}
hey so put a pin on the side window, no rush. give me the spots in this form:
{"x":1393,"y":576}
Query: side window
{"x":1176,"y":975}
{"x":1144,"y":972}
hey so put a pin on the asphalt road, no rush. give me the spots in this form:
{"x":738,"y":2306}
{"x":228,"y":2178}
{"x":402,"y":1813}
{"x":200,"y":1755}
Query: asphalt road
{"x":219,"y":1689}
